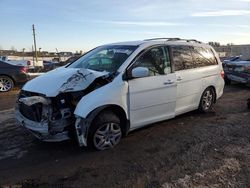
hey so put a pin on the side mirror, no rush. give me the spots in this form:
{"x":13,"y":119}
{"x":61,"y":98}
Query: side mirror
{"x":140,"y":72}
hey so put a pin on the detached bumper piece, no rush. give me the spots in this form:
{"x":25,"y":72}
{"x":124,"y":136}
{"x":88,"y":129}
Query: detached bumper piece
{"x":81,"y":126}
{"x":35,"y":114}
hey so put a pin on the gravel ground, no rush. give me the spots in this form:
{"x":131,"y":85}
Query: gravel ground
{"x":192,"y":150}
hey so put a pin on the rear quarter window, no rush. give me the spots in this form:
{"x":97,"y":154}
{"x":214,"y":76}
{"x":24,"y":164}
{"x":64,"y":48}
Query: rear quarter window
{"x":203,"y":56}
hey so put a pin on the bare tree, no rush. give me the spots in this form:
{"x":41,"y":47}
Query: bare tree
{"x":214,"y":44}
{"x":13,"y":48}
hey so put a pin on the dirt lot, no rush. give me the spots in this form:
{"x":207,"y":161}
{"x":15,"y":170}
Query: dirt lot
{"x":192,"y":150}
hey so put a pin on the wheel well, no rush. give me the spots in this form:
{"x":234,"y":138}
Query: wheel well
{"x":117,"y":110}
{"x":214,"y":90}
{"x":8,"y":77}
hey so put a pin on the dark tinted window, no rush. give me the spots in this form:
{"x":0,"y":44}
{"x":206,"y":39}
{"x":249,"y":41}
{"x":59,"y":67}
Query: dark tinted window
{"x":203,"y":56}
{"x":156,"y":60}
{"x":182,"y":58}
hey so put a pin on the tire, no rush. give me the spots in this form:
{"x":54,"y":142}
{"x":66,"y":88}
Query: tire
{"x":227,"y":81}
{"x":105,"y":131}
{"x":6,"y":83}
{"x":207,"y":100}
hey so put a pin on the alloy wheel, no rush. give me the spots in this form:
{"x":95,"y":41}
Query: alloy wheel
{"x":6,"y":84}
{"x":107,"y":136}
{"x":207,"y":100}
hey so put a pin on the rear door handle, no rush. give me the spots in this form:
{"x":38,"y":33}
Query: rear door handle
{"x":179,"y":78}
{"x":168,"y":82}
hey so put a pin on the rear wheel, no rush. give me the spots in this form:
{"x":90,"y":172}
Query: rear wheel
{"x":6,"y":83}
{"x":105,"y":131}
{"x":207,"y":100}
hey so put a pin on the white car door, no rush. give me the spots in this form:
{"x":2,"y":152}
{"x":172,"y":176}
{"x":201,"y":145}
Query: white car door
{"x":189,"y":79}
{"x":152,"y":98}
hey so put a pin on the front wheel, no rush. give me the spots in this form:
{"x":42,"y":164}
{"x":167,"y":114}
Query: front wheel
{"x":207,"y":100}
{"x":105,"y":131}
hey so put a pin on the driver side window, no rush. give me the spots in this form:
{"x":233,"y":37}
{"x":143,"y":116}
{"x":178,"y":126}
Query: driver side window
{"x":156,"y":60}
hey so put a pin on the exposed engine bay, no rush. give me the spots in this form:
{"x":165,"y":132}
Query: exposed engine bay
{"x":52,"y":118}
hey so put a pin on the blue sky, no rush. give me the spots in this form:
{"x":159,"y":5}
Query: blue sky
{"x":81,"y":25}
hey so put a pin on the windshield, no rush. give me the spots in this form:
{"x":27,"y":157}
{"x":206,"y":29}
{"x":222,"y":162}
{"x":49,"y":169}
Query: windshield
{"x":104,"y":58}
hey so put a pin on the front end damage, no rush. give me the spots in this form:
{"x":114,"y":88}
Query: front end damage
{"x":81,"y":127}
{"x":47,"y":122}
{"x":52,"y":118}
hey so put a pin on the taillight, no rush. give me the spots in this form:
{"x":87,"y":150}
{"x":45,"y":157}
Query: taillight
{"x":222,"y":74}
{"x":23,"y":70}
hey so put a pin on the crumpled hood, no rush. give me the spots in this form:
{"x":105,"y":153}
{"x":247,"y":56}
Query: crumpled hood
{"x":62,"y":80}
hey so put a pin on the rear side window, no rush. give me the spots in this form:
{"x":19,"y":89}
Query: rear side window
{"x":182,"y":58}
{"x":203,"y":56}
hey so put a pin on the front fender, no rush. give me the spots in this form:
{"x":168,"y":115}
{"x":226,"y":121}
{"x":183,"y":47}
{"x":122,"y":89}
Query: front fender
{"x":82,"y":126}
{"x":114,"y":93}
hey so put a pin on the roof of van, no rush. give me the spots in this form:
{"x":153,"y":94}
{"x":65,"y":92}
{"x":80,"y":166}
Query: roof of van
{"x":154,"y":41}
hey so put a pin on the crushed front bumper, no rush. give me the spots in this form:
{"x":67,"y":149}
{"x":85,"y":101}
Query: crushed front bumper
{"x":39,"y":127}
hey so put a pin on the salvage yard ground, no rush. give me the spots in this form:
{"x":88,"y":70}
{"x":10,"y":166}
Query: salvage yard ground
{"x":193,"y":149}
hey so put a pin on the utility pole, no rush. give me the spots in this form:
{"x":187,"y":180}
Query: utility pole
{"x":34,"y":37}
{"x":33,"y":56}
{"x":23,"y":53}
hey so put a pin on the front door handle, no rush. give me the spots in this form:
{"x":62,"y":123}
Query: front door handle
{"x":168,"y":82}
{"x":179,"y":78}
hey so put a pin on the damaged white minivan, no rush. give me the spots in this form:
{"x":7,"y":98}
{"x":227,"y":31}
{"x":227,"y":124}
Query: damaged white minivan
{"x":116,"y":88}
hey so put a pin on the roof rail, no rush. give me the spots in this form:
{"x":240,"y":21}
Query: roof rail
{"x":168,"y":39}
{"x":193,"y":40}
{"x":174,"y":39}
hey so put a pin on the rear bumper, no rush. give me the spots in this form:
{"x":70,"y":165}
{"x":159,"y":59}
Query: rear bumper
{"x":22,"y":78}
{"x":220,"y":88}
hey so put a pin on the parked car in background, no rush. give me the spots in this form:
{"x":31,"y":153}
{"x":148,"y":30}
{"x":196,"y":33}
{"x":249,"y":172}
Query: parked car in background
{"x":69,"y":60}
{"x":238,"y":71}
{"x":120,"y":87}
{"x":24,"y":63}
{"x":49,"y":65}
{"x":11,"y":75}
{"x":3,"y":58}
{"x":233,"y":58}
